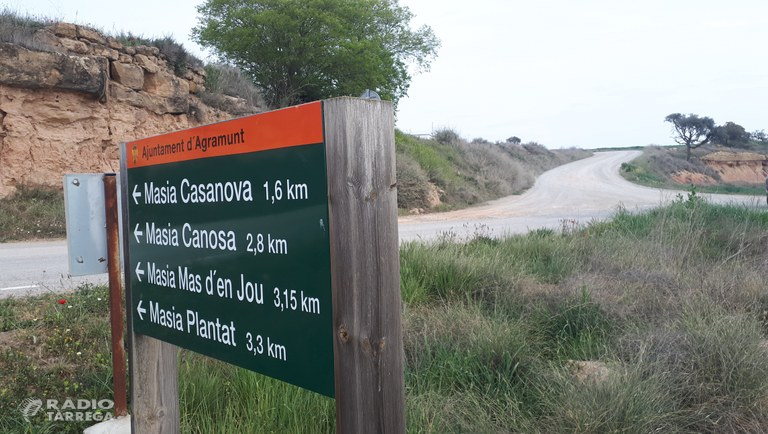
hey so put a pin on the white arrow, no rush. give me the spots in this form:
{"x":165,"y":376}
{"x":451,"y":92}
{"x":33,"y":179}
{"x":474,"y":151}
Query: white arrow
{"x":137,"y":233}
{"x":136,"y":193}
{"x":140,"y":310}
{"x":139,"y":271}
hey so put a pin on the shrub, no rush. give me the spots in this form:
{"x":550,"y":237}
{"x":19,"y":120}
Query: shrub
{"x":222,"y":81}
{"x":412,"y":184}
{"x":178,"y":58}
{"x":446,"y":136}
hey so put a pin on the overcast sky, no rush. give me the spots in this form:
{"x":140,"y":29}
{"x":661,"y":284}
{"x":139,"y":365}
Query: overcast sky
{"x":588,"y":73}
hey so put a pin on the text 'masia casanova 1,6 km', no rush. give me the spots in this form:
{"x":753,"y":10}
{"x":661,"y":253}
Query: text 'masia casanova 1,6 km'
{"x":229,"y":243}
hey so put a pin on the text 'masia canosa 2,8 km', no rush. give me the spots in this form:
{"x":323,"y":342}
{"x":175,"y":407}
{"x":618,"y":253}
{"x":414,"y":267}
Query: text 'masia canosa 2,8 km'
{"x":229,"y":243}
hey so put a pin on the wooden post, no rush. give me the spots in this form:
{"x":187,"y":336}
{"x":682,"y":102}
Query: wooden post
{"x":153,"y":363}
{"x":154,"y":391}
{"x":115,"y":295}
{"x":365,"y":266}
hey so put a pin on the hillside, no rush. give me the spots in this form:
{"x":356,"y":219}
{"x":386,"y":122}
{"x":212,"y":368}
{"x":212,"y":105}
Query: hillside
{"x":447,"y":172}
{"x":712,"y":169}
{"x":69,"y":95}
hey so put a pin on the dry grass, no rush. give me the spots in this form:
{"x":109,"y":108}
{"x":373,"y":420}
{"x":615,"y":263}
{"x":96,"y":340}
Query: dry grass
{"x":21,"y":29}
{"x":224,"y":82}
{"x":672,"y":301}
{"x":469,"y":173}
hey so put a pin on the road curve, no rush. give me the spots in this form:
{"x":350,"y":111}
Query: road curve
{"x":578,"y":192}
{"x":582,"y":191}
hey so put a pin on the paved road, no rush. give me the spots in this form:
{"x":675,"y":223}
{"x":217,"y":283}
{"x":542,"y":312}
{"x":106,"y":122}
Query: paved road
{"x":37,"y":266}
{"x":582,"y":191}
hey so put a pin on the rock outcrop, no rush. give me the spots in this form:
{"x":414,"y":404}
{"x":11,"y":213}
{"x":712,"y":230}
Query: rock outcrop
{"x":67,"y":104}
{"x":738,"y":167}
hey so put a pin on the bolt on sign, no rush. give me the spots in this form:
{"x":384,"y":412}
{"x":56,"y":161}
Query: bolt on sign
{"x":229,"y":244}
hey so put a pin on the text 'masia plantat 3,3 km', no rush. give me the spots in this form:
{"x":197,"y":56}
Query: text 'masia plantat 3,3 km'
{"x":229,"y":244}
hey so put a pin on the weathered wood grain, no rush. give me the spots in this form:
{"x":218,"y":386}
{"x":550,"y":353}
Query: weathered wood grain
{"x":365,"y":267}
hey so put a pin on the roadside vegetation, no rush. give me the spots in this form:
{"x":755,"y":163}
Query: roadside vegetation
{"x":446,"y":172}
{"x":32,"y":212}
{"x":657,"y":165}
{"x":656,"y":322}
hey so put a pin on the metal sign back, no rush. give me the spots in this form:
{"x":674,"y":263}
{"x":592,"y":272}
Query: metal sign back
{"x":86,"y":223}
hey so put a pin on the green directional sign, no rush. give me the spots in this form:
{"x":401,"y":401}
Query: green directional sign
{"x":229,"y":243}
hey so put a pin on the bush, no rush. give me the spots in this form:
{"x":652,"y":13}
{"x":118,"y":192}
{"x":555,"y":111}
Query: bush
{"x":223,"y":83}
{"x":412,"y":184}
{"x":446,"y":136}
{"x":178,"y":58}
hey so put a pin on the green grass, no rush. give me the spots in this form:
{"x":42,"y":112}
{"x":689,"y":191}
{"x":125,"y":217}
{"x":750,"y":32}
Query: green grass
{"x":753,"y":190}
{"x":671,"y":303}
{"x":53,"y":351}
{"x":32,"y":212}
{"x":221,"y":398}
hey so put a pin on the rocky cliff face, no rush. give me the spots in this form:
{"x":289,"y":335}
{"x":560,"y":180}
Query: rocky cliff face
{"x":66,"y":107}
{"x":738,"y":167}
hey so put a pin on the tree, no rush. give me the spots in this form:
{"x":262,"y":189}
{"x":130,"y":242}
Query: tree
{"x":514,"y":140}
{"x":305,"y":50}
{"x":730,"y":134}
{"x":759,"y":136}
{"x":690,"y":130}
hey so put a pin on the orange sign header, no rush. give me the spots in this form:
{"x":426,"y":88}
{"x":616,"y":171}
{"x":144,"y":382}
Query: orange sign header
{"x":292,"y":126}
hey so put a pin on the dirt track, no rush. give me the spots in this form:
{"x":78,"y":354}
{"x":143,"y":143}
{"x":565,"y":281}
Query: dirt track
{"x":582,"y":191}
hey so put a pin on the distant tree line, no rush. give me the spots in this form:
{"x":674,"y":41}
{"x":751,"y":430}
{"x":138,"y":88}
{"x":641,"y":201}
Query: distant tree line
{"x":693,"y":131}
